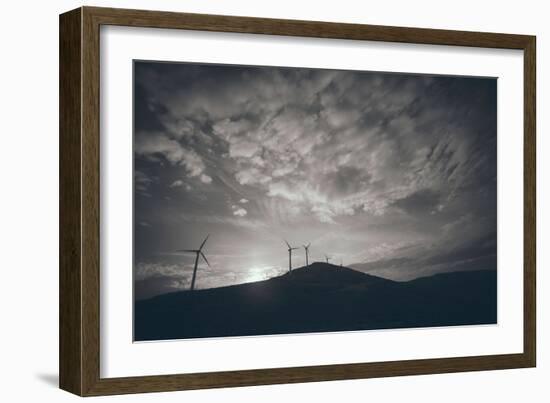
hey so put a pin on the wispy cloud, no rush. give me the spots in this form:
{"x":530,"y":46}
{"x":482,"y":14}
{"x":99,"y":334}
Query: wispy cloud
{"x":241,"y":212}
{"x":177,"y":183}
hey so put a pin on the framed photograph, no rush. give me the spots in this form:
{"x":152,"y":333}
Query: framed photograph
{"x":249,"y":201}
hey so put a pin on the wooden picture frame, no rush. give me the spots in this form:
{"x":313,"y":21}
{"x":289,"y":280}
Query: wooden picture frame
{"x":80,"y":184}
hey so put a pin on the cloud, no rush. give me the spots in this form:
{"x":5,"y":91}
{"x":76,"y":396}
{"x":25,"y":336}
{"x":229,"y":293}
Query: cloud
{"x":205,"y":179}
{"x":241,"y":212}
{"x":243,"y":149}
{"x":142,"y":183}
{"x":280,"y":189}
{"x":230,"y":128}
{"x":302,"y":196}
{"x":247,"y":223}
{"x":176,"y":183}
{"x":154,"y":144}
{"x":179,"y":183}
{"x":148,"y":269}
{"x":323,"y":213}
{"x":439,"y":257}
{"x":158,"y":284}
{"x":251,"y":176}
{"x":422,"y":201}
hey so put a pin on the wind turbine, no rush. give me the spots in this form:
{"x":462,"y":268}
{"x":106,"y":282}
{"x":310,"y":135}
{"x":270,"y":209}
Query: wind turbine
{"x":327,"y":258}
{"x":341,"y":262}
{"x":198,"y":252}
{"x":306,"y":248}
{"x":290,"y":249}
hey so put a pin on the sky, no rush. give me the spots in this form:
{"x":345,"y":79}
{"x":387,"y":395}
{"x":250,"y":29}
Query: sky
{"x":390,"y":174}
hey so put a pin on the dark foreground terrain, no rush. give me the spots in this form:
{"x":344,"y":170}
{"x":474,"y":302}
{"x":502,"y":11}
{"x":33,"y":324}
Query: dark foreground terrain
{"x":320,"y":298}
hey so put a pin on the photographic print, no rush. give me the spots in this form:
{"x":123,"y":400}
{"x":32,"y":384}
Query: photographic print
{"x":284,"y":200}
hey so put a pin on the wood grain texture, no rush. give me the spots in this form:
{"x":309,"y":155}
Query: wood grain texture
{"x":90,"y":202}
{"x":161,"y":383}
{"x":530,"y":203}
{"x":70,"y":313}
{"x":317,"y":29}
{"x":80,"y":201}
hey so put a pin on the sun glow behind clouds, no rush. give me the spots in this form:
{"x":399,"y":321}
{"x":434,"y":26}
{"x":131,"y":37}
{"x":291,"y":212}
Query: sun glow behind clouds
{"x":260,"y":273}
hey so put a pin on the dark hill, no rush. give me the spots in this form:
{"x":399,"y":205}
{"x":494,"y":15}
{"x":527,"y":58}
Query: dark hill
{"x":319,"y":298}
{"x":330,"y":275}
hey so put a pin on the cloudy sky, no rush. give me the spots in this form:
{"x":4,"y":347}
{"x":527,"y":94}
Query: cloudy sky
{"x":394,"y":174}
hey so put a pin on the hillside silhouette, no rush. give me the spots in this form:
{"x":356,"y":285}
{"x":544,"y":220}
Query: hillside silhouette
{"x":319,"y":298}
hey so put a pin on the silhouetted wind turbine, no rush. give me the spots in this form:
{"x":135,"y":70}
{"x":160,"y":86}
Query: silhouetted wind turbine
{"x":290,"y":249}
{"x":198,"y":252}
{"x":341,"y":262}
{"x":327,"y":258}
{"x":306,"y":248}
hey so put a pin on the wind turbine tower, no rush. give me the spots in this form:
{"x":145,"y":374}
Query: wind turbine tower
{"x":198,"y":253}
{"x":306,"y":248}
{"x":290,"y":249}
{"x":327,"y":258}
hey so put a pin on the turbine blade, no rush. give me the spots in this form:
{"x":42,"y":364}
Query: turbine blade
{"x":205,"y":259}
{"x":203,"y":242}
{"x":287,"y":244}
{"x":187,"y":250}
